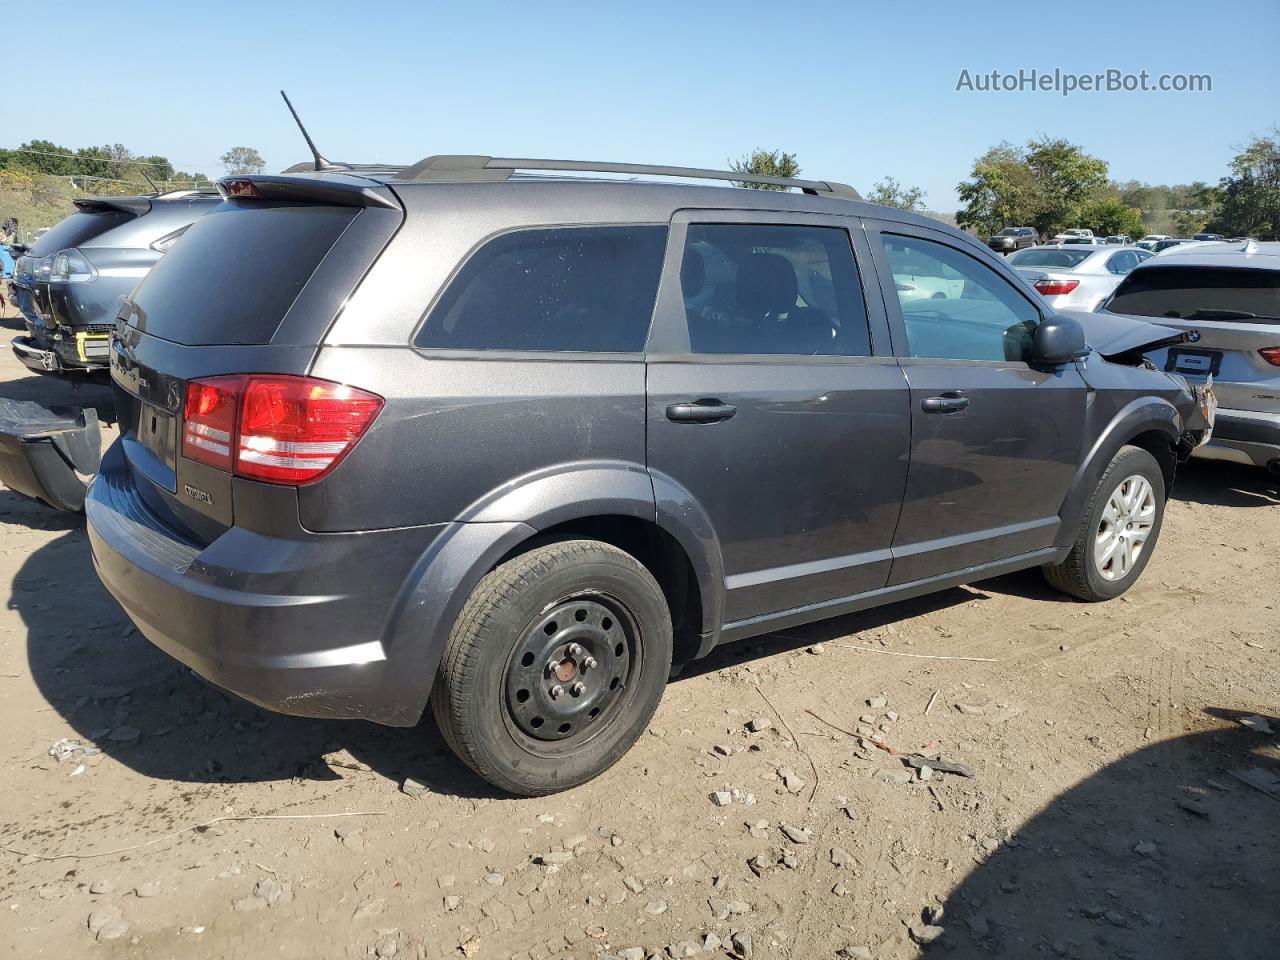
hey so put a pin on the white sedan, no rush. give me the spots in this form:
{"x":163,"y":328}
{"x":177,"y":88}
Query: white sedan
{"x":1076,"y":276}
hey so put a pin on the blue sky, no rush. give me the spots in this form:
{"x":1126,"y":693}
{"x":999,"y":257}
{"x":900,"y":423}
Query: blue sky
{"x":857,"y":91}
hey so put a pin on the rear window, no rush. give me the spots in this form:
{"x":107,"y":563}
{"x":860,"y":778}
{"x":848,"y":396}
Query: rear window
{"x":1207,"y":293}
{"x":76,"y":229}
{"x":581,"y":289}
{"x":1065,"y":259}
{"x":235,"y":273}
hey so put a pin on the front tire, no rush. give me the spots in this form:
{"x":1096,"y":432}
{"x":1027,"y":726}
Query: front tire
{"x":1118,"y":532}
{"x":554,"y":667}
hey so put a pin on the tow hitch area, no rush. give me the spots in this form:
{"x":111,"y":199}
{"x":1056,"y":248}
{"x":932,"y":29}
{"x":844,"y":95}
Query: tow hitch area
{"x":49,"y":453}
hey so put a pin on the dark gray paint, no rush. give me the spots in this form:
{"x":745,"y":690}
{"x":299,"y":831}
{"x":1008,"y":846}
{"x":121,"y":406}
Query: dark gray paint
{"x":829,"y":490}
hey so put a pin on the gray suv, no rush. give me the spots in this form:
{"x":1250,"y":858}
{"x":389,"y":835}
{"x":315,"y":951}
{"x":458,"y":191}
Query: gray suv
{"x":513,"y":444}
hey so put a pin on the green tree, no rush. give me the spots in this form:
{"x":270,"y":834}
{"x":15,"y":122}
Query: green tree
{"x":766,"y":163}
{"x":45,"y":156}
{"x":158,"y":167}
{"x":1107,"y":217}
{"x":242,"y":160}
{"x":1000,"y":192}
{"x":1066,"y":178}
{"x":1250,"y":196}
{"x":889,"y":193}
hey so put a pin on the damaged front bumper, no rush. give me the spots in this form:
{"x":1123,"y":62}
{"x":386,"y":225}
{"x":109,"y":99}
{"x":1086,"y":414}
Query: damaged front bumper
{"x":49,"y":454}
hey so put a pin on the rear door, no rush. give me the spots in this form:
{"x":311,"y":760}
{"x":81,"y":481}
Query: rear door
{"x":994,"y":441}
{"x":775,"y":405}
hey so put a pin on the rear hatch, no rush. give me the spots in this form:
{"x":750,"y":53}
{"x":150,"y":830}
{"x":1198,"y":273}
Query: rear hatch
{"x":1235,"y":311}
{"x":251,"y":289}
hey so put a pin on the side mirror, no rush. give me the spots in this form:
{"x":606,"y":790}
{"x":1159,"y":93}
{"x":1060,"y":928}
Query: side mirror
{"x":1059,"y":340}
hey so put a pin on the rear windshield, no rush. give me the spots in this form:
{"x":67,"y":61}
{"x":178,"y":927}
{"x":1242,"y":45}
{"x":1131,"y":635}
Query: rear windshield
{"x":1205,"y":293}
{"x":1050,"y":258}
{"x":76,"y":229}
{"x":235,"y":273}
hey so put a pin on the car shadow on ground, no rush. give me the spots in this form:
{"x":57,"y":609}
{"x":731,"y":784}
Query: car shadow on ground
{"x":1217,"y":483}
{"x":1162,"y":855}
{"x":155,"y":716}
{"x":68,"y":392}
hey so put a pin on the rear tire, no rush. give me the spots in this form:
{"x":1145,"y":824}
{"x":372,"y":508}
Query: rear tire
{"x":1118,"y":531}
{"x":554,"y":667}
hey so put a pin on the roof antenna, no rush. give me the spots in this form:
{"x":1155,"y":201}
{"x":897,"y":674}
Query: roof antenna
{"x":321,"y":162}
{"x":154,"y":188}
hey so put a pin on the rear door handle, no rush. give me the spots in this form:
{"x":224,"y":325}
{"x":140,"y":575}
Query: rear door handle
{"x":700,"y":411}
{"x":947,"y":403}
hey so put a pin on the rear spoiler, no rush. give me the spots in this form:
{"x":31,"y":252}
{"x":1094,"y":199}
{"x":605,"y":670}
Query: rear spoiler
{"x":336,"y":191}
{"x":135,"y":206}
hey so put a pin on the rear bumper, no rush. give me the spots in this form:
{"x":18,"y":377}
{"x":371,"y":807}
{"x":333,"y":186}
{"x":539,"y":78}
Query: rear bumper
{"x":296,"y":626}
{"x":81,"y":353}
{"x":1244,"y":436}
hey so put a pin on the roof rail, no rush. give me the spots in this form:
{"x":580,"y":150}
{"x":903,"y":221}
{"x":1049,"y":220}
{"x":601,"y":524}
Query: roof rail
{"x":468,"y":167}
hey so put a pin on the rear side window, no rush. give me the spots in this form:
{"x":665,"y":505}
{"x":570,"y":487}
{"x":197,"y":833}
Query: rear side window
{"x":76,"y":229}
{"x":235,"y":273}
{"x":1205,"y":293}
{"x":773,"y":289}
{"x":567,"y":289}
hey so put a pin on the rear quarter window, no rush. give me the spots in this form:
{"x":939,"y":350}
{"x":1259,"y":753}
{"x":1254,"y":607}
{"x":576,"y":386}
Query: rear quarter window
{"x":235,"y":273}
{"x":571,"y":289}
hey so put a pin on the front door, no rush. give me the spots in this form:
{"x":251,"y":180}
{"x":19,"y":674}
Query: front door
{"x":995,"y":442}
{"x":776,"y":408}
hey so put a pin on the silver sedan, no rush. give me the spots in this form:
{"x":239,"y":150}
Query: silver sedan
{"x":1076,"y":276}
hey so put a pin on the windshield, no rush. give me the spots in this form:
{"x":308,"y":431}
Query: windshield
{"x":1206,"y":293}
{"x":1008,"y":232}
{"x":1065,"y":259}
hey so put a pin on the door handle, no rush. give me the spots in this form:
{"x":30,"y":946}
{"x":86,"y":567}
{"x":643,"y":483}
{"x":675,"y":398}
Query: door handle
{"x":947,"y":403}
{"x":701,"y":411}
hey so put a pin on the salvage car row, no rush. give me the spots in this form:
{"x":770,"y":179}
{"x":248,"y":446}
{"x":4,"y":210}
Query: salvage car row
{"x":517,"y":469}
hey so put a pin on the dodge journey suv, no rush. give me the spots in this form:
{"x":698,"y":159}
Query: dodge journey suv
{"x":511,"y":444}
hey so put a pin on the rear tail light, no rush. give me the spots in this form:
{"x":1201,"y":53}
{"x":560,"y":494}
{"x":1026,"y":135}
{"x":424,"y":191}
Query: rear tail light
{"x":1053,"y":288}
{"x":209,"y":420}
{"x":288,"y":430}
{"x":1271,"y":355}
{"x":245,"y":189}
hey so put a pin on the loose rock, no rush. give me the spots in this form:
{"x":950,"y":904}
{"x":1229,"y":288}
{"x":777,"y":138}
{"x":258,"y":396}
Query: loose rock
{"x":925,"y":933}
{"x":852,"y":952}
{"x":740,"y":941}
{"x":979,"y":926}
{"x":877,"y":703}
{"x":796,"y":834}
{"x":413,"y":788}
{"x":840,"y":857}
{"x":656,"y":907}
{"x":759,"y":724}
{"x":722,"y":798}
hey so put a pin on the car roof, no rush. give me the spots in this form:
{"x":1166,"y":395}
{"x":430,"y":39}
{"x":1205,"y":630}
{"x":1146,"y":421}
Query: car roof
{"x":1218,"y":253}
{"x":573,"y":198}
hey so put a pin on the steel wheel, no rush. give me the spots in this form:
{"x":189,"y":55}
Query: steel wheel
{"x":567,"y":676}
{"x":1127,"y":522}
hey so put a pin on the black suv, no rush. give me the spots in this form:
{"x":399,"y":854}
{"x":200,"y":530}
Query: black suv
{"x":74,"y":277}
{"x":512,"y":444}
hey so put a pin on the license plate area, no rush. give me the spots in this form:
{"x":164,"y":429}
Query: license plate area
{"x":157,"y":431}
{"x":1197,"y":363}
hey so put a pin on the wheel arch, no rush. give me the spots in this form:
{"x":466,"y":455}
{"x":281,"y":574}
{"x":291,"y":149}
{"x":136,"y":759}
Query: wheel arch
{"x":612,"y":501}
{"x":1151,"y":423}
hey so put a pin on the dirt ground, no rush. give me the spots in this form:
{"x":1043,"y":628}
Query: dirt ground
{"x":1102,"y":819}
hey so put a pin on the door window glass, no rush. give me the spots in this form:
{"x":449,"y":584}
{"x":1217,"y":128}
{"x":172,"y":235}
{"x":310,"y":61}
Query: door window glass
{"x":955,"y":307}
{"x":765,"y":289}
